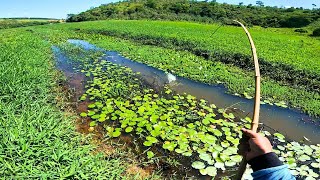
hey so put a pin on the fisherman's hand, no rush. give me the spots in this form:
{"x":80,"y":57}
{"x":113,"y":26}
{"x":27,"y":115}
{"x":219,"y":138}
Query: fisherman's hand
{"x":253,"y":145}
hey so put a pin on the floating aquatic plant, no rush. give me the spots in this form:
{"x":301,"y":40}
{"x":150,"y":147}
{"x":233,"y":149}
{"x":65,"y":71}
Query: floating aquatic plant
{"x":179,"y":123}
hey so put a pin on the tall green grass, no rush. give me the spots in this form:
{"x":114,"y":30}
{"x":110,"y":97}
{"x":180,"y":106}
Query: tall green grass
{"x":36,"y":140}
{"x":188,"y":65}
{"x":285,"y":57}
{"x":275,"y":46}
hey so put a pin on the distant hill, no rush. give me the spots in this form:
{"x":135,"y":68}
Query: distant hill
{"x":259,"y":14}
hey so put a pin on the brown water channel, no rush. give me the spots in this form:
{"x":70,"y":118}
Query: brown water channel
{"x":290,"y":122}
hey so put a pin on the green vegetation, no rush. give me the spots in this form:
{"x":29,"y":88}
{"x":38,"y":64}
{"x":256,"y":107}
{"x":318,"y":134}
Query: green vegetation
{"x":226,"y":41}
{"x":187,"y":10}
{"x":37,"y":140}
{"x":14,"y":23}
{"x":180,"y":124}
{"x":314,"y":25}
{"x":282,"y":68}
{"x":316,"y":32}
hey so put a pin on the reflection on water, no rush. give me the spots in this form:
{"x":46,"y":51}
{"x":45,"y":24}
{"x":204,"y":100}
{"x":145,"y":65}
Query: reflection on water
{"x":171,"y":78}
{"x":292,"y":123}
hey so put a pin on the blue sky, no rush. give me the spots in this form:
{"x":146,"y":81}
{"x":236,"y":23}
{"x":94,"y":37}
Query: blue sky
{"x":60,"y":8}
{"x":46,"y":8}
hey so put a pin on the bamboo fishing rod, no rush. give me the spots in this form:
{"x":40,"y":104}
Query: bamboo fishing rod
{"x":256,"y":109}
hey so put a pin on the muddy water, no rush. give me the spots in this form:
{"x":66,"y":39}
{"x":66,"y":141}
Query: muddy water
{"x":294,"y":124}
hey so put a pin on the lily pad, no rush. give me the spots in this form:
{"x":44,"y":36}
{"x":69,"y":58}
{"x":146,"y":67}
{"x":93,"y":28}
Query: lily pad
{"x":206,"y":121}
{"x":225,"y":144}
{"x":203,"y":172}
{"x":279,"y":136}
{"x":147,"y":143}
{"x":152,"y":139}
{"x":219,"y":165}
{"x":150,"y":154}
{"x":188,"y":153}
{"x":280,"y":147}
{"x":116,"y":134}
{"x":91,"y":113}
{"x":198,"y":165}
{"x":129,"y":129}
{"x":211,"y":171}
{"x":304,"y":158}
{"x":169,"y":145}
{"x":83,"y":114}
{"x":205,"y":157}
{"x":315,"y":165}
{"x":230,"y":163}
{"x":216,"y":132}
{"x":236,"y":158}
{"x":92,"y":124}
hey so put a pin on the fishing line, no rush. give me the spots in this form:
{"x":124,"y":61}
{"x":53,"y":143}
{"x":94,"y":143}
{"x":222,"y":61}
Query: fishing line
{"x":216,"y":30}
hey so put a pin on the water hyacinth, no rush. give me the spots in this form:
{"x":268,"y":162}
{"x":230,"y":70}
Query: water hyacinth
{"x":181,"y":124}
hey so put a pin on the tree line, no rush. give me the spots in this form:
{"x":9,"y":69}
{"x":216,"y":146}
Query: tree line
{"x":203,"y":11}
{"x":14,"y":23}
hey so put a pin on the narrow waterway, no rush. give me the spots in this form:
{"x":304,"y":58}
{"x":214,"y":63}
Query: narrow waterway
{"x":290,"y":122}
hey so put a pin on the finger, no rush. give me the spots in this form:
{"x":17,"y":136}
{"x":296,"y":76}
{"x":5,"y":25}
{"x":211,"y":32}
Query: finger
{"x":243,"y":143}
{"x":243,"y":148}
{"x":252,"y":143}
{"x":243,"y":153}
{"x":249,"y":133}
{"x":244,"y":138}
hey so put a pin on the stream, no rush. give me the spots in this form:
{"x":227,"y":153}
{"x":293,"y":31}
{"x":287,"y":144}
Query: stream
{"x":294,"y":124}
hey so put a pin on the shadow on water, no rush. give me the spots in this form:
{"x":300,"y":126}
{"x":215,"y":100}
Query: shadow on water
{"x":294,"y":124}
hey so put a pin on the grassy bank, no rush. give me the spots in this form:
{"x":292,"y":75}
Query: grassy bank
{"x":285,"y":56}
{"x":188,"y":65}
{"x":37,"y":140}
{"x":169,"y":127}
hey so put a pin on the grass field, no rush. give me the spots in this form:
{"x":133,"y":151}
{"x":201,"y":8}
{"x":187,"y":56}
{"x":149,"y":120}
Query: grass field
{"x":179,"y":124}
{"x":285,"y":56}
{"x":16,"y":22}
{"x":28,"y":19}
{"x":281,"y":82}
{"x":38,"y":139}
{"x":277,"y":46}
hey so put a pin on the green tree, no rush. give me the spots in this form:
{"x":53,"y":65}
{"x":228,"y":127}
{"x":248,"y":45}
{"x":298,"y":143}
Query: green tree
{"x":192,"y":10}
{"x":260,"y":3}
{"x":151,"y":4}
{"x":314,"y":6}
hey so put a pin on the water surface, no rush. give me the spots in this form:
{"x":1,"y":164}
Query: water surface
{"x":290,"y":122}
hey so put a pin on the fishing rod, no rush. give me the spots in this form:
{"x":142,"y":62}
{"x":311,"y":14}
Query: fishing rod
{"x":256,"y":109}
